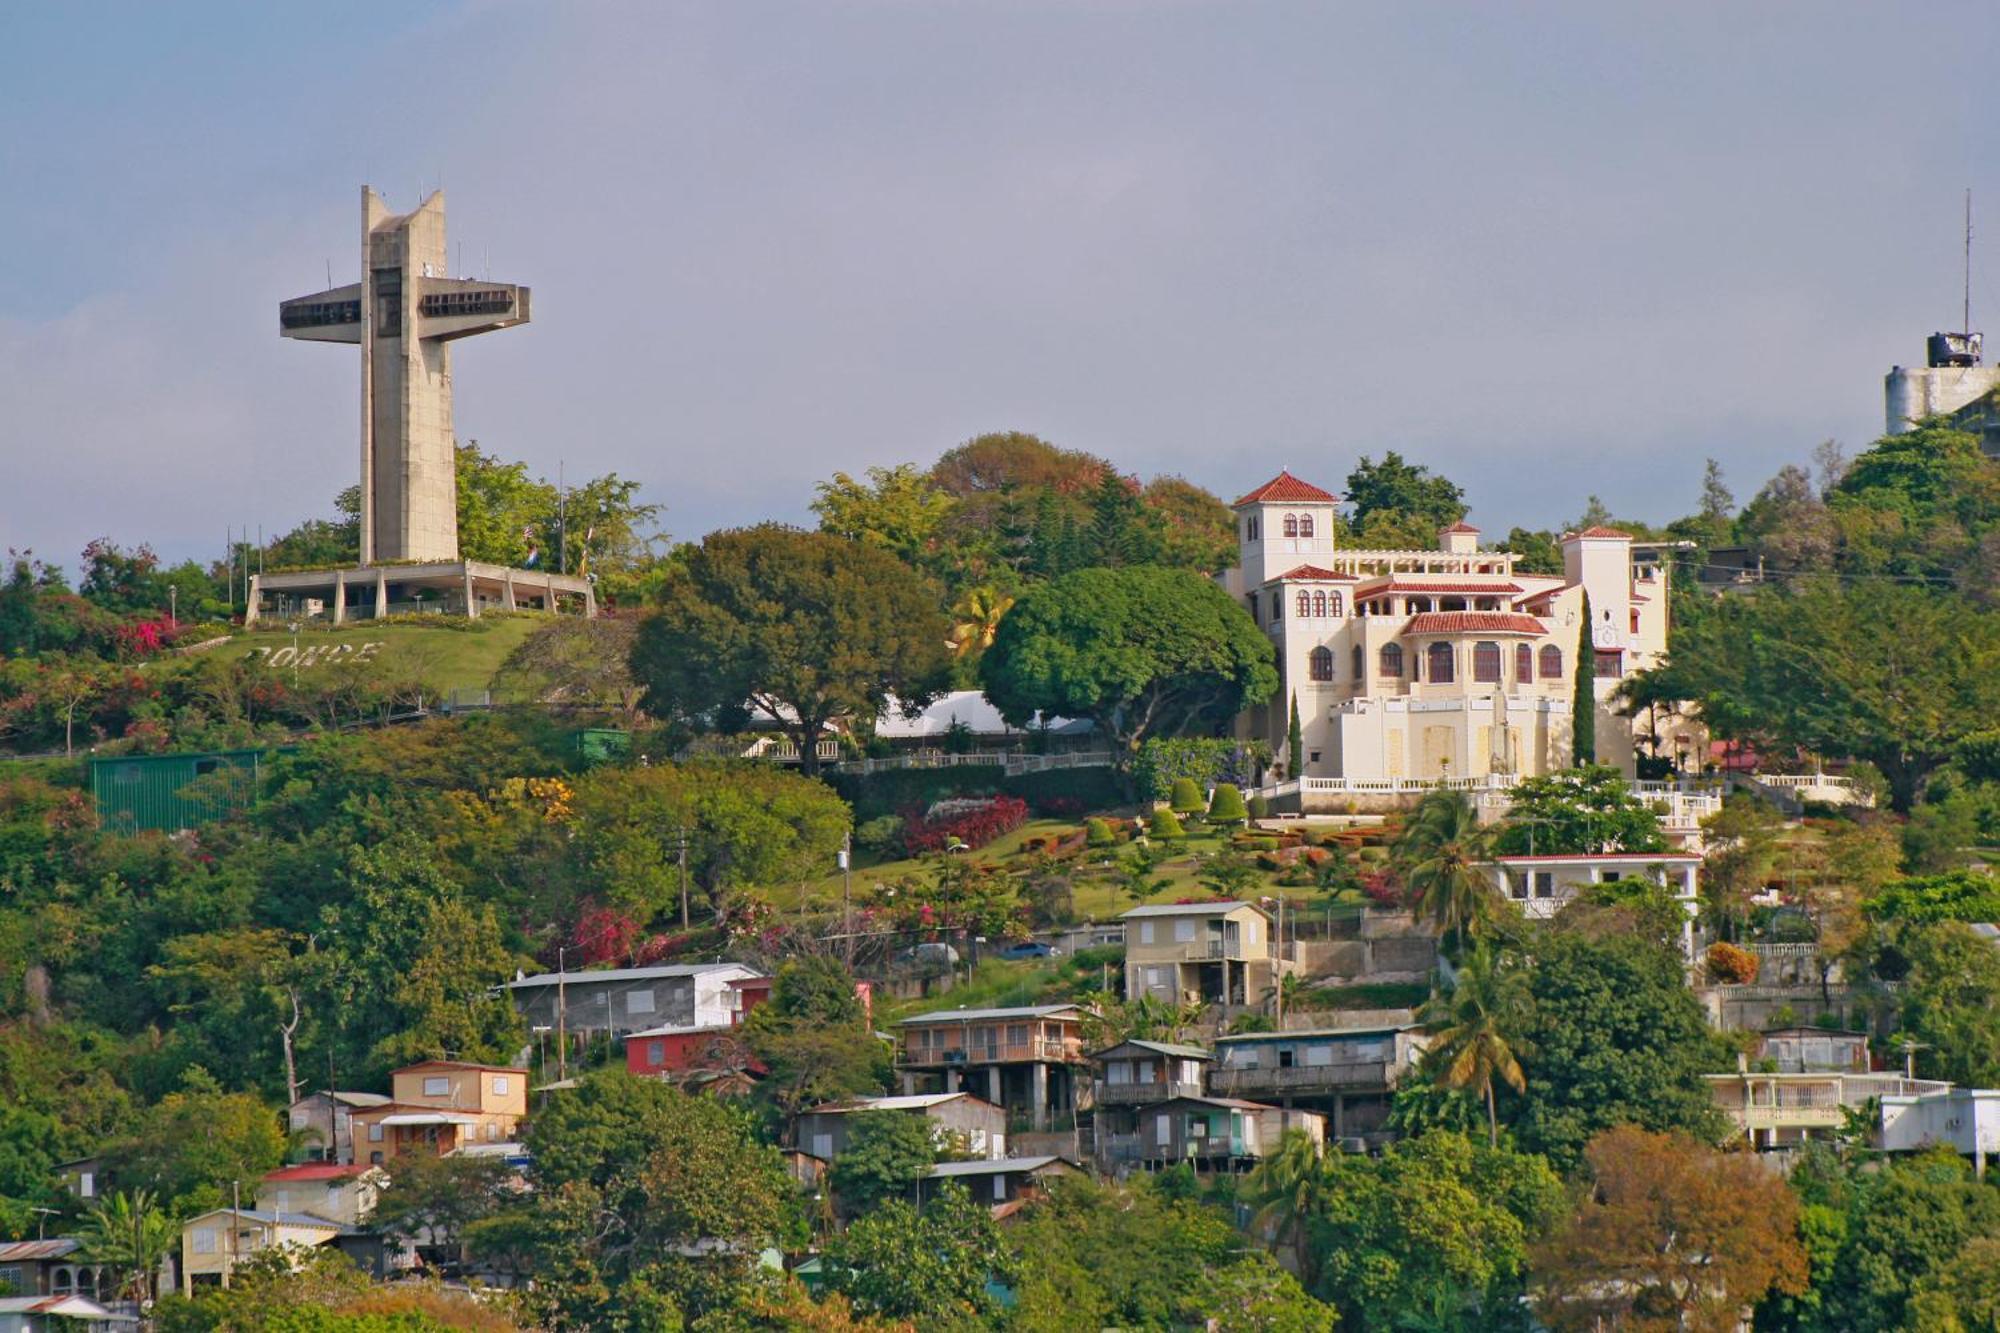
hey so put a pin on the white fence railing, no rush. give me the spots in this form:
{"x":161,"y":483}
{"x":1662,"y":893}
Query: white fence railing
{"x":782,"y":750}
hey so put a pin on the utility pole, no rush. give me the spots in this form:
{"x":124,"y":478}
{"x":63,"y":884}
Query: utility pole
{"x":847,"y":895}
{"x":562,"y":527}
{"x":1278,"y":978}
{"x":681,"y":848}
{"x":562,"y":1017}
{"x":235,"y":1227}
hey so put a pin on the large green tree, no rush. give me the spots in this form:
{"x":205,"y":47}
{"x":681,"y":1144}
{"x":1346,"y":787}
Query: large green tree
{"x":744,"y":824}
{"x":933,"y":1265}
{"x":650,"y":1203}
{"x":1894,"y":673}
{"x":1900,"y":1226}
{"x":1434,"y":1234}
{"x":1616,"y":1038}
{"x":1140,"y":651}
{"x":1951,"y":1002}
{"x":1129,"y":1256}
{"x":1577,"y":811}
{"x":1403,"y":490}
{"x":810,"y":628}
{"x":887,"y":1153}
{"x":814,"y":1038}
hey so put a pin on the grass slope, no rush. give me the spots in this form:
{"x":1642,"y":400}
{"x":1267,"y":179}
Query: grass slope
{"x":455,"y":658}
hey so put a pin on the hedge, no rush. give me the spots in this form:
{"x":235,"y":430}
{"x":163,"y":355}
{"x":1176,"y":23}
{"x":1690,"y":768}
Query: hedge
{"x":1064,"y":793}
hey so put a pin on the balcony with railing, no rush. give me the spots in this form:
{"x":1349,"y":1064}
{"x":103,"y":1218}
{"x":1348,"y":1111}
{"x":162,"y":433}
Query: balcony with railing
{"x":1342,"y":1077}
{"x":1145,"y":1094}
{"x":1048,"y":1050}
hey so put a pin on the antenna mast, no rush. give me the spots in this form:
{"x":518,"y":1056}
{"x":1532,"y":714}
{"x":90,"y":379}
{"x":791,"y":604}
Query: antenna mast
{"x":1965,"y":310}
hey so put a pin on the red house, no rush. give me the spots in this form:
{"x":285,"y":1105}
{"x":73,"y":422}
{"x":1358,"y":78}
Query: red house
{"x":676,"y":1050}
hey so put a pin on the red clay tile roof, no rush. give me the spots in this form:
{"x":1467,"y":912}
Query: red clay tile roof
{"x":1400,"y":583}
{"x":1601,"y":532}
{"x":1286,"y":487}
{"x":1460,"y":526}
{"x":1473,"y":622}
{"x":1316,"y":573}
{"x":316,"y":1171}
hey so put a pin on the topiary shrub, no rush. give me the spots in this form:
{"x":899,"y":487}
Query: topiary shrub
{"x":1260,"y":806}
{"x":1729,"y":965}
{"x":1097,"y":832}
{"x":1186,"y":797}
{"x":1227,"y":808}
{"x":1166,"y":825}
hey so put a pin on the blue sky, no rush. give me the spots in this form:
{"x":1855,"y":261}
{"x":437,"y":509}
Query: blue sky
{"x":1549,"y":250}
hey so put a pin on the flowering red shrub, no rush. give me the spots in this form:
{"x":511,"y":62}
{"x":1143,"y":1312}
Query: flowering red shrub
{"x":657,"y":948}
{"x":1380,"y":889}
{"x":973,"y":828}
{"x":605,"y":934}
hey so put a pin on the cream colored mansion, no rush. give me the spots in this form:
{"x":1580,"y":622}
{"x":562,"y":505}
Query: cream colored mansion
{"x":1446,"y":663}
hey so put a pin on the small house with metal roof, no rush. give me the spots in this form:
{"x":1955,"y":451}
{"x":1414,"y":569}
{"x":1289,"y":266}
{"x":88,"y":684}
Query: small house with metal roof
{"x":1029,"y":1060}
{"x":1201,"y":953}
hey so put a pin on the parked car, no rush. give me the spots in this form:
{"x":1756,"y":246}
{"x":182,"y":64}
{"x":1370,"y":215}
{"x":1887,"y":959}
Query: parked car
{"x":932,"y":953}
{"x":1027,"y":949}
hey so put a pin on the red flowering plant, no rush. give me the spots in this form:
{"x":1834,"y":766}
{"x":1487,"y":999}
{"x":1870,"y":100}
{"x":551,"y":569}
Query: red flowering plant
{"x":961,"y":824}
{"x":605,"y":934}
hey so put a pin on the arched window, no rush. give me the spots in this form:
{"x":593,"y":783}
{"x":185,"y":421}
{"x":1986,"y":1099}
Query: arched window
{"x":1305,"y":525}
{"x":1319,"y":664}
{"x":1486,"y":663}
{"x":1552,"y":662}
{"x":1291,"y":525}
{"x":1392,"y":659}
{"x":1524,"y":664}
{"x":1358,"y":660}
{"x":1305,"y":603}
{"x":1319,"y":604}
{"x":1333,"y":603}
{"x":1438,"y":664}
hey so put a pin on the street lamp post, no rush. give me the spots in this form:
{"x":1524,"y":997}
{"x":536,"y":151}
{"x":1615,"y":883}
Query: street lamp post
{"x":173,"y":606}
{"x":295,"y":654}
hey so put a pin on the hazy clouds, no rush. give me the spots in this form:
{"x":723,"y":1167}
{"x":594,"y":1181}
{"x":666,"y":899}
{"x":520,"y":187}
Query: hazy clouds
{"x":1551,"y":251}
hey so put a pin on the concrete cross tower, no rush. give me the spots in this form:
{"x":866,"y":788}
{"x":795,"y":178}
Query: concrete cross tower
{"x":404,"y":313}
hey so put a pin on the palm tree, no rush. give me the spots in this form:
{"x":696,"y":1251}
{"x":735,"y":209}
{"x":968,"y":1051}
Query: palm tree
{"x":1290,"y":1190}
{"x":1470,"y":1047}
{"x":1441,"y":858}
{"x":131,"y":1233}
{"x":975,"y":618}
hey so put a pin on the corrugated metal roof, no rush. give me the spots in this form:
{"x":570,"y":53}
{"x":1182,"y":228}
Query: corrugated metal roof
{"x":1232,"y":1103}
{"x":1187,"y":909}
{"x":992,"y":1165}
{"x":626,"y":974}
{"x":1161,"y":1047}
{"x":26,"y":1251}
{"x":921,"y":1101}
{"x":318,"y":1171}
{"x":960,"y":1015}
{"x":1379,"y":1030}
